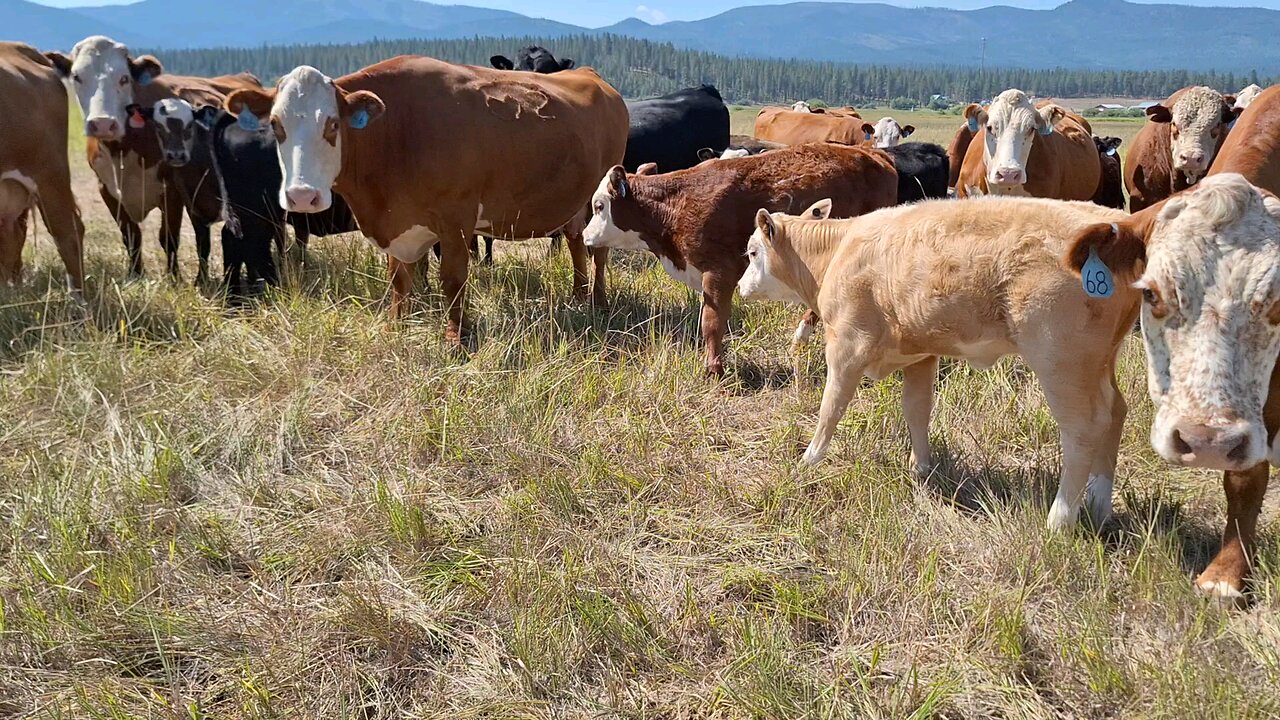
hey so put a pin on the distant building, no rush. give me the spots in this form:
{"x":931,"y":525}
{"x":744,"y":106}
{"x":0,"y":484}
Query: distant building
{"x":1108,"y":106}
{"x":1145,"y":105}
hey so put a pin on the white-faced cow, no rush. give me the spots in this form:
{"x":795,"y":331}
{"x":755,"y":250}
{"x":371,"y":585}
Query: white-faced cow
{"x":1176,"y":147}
{"x":886,"y":133}
{"x":429,"y":152}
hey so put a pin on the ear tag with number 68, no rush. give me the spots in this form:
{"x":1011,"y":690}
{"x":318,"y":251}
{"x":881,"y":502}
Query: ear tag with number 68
{"x":1096,"y":276}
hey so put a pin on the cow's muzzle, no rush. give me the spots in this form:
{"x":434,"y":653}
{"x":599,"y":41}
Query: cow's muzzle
{"x":1228,"y":445}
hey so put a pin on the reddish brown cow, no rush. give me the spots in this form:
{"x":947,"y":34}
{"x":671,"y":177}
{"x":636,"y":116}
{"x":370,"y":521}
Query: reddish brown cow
{"x":697,"y":221}
{"x":956,"y":152}
{"x":1177,"y":146}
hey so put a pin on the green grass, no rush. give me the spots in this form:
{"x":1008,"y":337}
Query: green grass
{"x":301,"y":511}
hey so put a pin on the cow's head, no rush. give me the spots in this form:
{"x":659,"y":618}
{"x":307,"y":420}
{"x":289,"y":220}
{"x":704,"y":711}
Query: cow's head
{"x":1011,"y":124}
{"x":1107,"y":145}
{"x":1196,"y":122}
{"x":103,"y":77}
{"x":801,"y":106}
{"x":533,"y":59}
{"x":1208,"y":264}
{"x":1246,"y":96}
{"x":309,"y":115}
{"x":770,"y":275}
{"x":612,"y":209}
{"x":176,"y":124}
{"x":887,"y":132}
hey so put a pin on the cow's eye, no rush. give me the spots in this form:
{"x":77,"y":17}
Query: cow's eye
{"x":599,"y":208}
{"x":124,"y":80}
{"x":991,"y":130}
{"x":1155,"y":303}
{"x":75,"y":78}
{"x":751,"y":253}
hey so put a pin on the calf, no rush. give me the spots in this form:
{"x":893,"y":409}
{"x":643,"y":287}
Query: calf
{"x":1178,"y":144}
{"x":696,"y":221}
{"x":886,"y":133}
{"x":975,"y":280}
{"x":1111,"y":187}
{"x":922,"y":171}
{"x":671,"y":130}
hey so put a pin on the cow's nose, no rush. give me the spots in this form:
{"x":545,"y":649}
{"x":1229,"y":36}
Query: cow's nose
{"x":175,"y":159}
{"x":1009,"y":176}
{"x":1192,"y":159}
{"x":102,"y":128}
{"x":303,"y":199}
{"x":1215,"y":446}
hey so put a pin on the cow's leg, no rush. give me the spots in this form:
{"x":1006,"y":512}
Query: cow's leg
{"x":578,"y":254}
{"x":917,"y":406}
{"x":400,"y":274}
{"x":13,"y":236}
{"x":204,"y":243}
{"x":488,"y":251}
{"x":1224,"y":578}
{"x":599,"y":296}
{"x":171,"y":229}
{"x":1102,"y":473}
{"x":453,"y":280}
{"x":717,"y":305}
{"x":1083,"y":412}
{"x":231,"y":262}
{"x":130,"y":233}
{"x":554,"y":247}
{"x":846,"y":361}
{"x":62,"y":220}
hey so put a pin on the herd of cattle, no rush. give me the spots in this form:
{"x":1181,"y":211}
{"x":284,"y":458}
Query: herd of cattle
{"x":819,"y":208}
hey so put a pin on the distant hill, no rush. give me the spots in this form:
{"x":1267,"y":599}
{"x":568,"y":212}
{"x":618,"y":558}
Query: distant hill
{"x":1078,"y":34}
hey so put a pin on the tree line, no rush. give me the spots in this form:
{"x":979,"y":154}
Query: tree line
{"x":641,"y":68}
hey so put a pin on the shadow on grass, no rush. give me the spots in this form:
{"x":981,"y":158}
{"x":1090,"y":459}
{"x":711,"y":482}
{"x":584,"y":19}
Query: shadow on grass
{"x":984,"y":490}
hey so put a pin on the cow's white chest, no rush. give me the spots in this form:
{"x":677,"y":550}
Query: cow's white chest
{"x":410,"y":245}
{"x":690,"y":276}
{"x":984,"y":353}
{"x":135,"y":186}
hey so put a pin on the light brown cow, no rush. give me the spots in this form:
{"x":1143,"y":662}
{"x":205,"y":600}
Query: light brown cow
{"x":976,"y":280}
{"x":1178,"y":144}
{"x":788,"y":127}
{"x":426,"y":151}
{"x":1041,"y":150}
{"x":1207,"y":260}
{"x":33,"y":163}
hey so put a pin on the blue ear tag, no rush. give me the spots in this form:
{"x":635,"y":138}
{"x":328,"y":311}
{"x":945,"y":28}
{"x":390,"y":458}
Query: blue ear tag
{"x":1047,"y":130}
{"x":248,"y":121}
{"x":359,"y":119}
{"x":866,"y":136}
{"x":144,"y":78}
{"x":1096,"y":276}
{"x":1111,"y":151}
{"x":973,"y":124}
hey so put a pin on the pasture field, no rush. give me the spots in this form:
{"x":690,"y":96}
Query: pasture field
{"x":299,"y":510}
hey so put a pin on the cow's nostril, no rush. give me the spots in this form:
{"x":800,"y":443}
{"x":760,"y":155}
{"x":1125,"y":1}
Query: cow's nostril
{"x":1240,"y":452}
{"x":1180,"y":446}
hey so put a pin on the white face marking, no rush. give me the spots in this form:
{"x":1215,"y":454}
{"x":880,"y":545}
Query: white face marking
{"x":103,"y":85}
{"x":1246,"y":96}
{"x":1196,"y":126}
{"x":731,"y":153}
{"x":1214,"y":259}
{"x":601,"y":230}
{"x":888,"y":133}
{"x":411,"y":244}
{"x":691,"y":276}
{"x":801,"y":106}
{"x":758,"y":282}
{"x":174,"y":121}
{"x":306,"y":102}
{"x":1012,"y":125}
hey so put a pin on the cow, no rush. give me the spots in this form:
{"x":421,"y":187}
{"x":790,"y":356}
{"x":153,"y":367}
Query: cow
{"x":788,"y":127}
{"x":922,"y":171}
{"x":429,"y":152}
{"x":1207,"y":261}
{"x":976,"y":280}
{"x":1110,"y":191}
{"x":957,"y":150}
{"x":533,"y":58}
{"x":696,"y":221}
{"x":132,"y":176}
{"x":801,"y":107}
{"x":672,"y":129}
{"x":34,"y":171}
{"x":1177,"y":145}
{"x":886,"y":133}
{"x":1027,"y":149}
{"x":1246,"y":96}
{"x":739,"y":146}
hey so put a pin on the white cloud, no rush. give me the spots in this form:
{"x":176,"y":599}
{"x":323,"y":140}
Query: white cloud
{"x":651,"y":15}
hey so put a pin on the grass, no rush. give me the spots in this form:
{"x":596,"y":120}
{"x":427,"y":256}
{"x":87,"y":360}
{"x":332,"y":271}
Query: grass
{"x":300,"y":511}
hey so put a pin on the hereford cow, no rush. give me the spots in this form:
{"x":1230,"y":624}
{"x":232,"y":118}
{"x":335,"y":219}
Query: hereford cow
{"x":33,"y":163}
{"x":739,"y":146}
{"x":1246,"y":96}
{"x":1177,"y":146}
{"x":696,"y":221}
{"x":789,"y":127}
{"x":1040,"y":150}
{"x":132,"y":176}
{"x":899,"y":288}
{"x":886,"y":133}
{"x":426,"y":151}
{"x":1111,"y":188}
{"x":673,"y":129}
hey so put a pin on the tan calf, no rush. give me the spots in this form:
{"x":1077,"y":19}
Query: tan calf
{"x":899,"y":288}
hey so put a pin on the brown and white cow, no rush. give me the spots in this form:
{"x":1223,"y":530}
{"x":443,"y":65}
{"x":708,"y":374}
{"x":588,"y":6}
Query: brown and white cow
{"x":788,"y":127}
{"x":978,"y":280}
{"x":696,"y":221}
{"x":886,"y":133}
{"x":34,"y":171}
{"x":124,"y":154}
{"x":1021,"y":148}
{"x":1176,"y":147}
{"x":429,"y":152}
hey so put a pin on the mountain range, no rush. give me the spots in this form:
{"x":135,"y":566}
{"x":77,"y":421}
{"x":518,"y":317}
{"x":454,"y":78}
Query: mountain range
{"x":1077,"y":34}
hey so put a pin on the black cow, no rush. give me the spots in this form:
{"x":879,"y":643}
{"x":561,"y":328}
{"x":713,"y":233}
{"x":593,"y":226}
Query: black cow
{"x":923,"y":171}
{"x":533,"y":59}
{"x":672,"y":129}
{"x":1111,"y":186}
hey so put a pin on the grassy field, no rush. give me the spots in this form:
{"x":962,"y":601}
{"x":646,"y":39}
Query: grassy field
{"x":300,"y":511}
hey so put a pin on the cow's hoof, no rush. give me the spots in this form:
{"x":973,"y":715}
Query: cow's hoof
{"x":812,"y":456}
{"x":1228,"y":592}
{"x":921,"y":471}
{"x":1062,"y":517}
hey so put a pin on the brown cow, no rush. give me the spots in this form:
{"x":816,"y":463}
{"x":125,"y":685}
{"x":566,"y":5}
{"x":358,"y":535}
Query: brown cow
{"x":1177,"y":146}
{"x":1207,"y":260}
{"x":976,"y":280}
{"x":124,"y":154}
{"x":1042,"y":150}
{"x":426,"y":151}
{"x":956,"y":152}
{"x":33,"y":163}
{"x":697,"y":221}
{"x":788,"y":127}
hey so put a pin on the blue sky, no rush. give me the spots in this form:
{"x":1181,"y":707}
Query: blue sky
{"x":595,"y":13}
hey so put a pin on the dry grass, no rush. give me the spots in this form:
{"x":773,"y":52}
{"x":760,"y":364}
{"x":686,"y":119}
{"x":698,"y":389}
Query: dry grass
{"x":298,"y":511}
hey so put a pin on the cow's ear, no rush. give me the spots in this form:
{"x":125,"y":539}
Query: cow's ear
{"x":207,"y":115}
{"x":649,"y":168}
{"x":907,"y":130}
{"x":502,"y":62}
{"x":361,"y":108}
{"x":1159,"y":113}
{"x":1049,"y":115}
{"x":138,"y":115}
{"x":61,"y":63}
{"x":764,"y":223}
{"x":1230,"y":112}
{"x":567,"y":64}
{"x":868,"y":129}
{"x":706,"y":154}
{"x":1230,"y":100}
{"x":820,"y":210}
{"x":1113,"y":143}
{"x":250,"y":105}
{"x":975,"y":116}
{"x":145,"y":69}
{"x":618,"y":186}
{"x":1121,"y":246}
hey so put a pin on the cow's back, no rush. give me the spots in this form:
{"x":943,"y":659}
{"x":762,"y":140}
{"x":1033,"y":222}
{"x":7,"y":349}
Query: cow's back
{"x":788,"y":127}
{"x":33,"y":127}
{"x":1252,"y":148}
{"x":670,"y":130}
{"x":529,"y":148}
